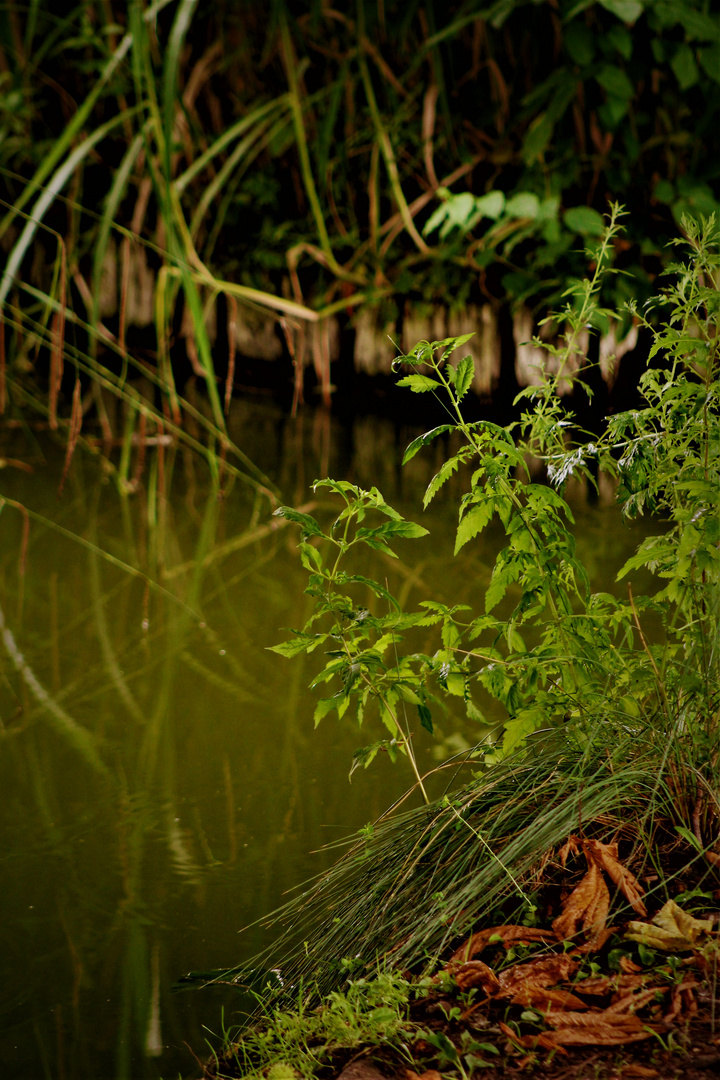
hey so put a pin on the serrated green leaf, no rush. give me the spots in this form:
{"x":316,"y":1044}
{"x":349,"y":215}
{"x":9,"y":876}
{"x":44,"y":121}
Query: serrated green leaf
{"x":407,"y":693}
{"x":419,"y":384}
{"x":323,"y":707}
{"x":464,"y":375}
{"x":445,"y":472}
{"x":374,"y":586}
{"x":295,"y":645}
{"x":423,"y":440}
{"x":310,"y":526}
{"x":425,"y":717}
{"x":473,"y":523}
{"x":473,"y":713}
{"x":495,"y":592}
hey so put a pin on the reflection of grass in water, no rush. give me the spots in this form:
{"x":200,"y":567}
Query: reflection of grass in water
{"x":144,"y":732}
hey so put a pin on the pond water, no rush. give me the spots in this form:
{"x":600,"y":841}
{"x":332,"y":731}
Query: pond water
{"x":163,"y":786}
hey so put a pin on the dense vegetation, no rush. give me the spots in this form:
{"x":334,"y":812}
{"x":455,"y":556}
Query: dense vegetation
{"x":163,"y":164}
{"x":177,"y":178}
{"x":609,"y":742}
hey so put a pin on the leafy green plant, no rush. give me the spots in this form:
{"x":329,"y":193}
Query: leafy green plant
{"x":295,"y":1041}
{"x":605,"y":698}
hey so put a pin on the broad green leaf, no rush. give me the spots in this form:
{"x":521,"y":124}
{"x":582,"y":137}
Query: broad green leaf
{"x":614,"y":80}
{"x":423,"y":440}
{"x":495,"y":592}
{"x":436,"y":219}
{"x":310,"y":556}
{"x":407,"y":693}
{"x":490,"y":205}
{"x":536,"y":139}
{"x":425,"y":717}
{"x":473,"y":523}
{"x":515,"y":640}
{"x":684,"y":67}
{"x":473,"y":713}
{"x":524,"y":204}
{"x":584,"y":220}
{"x":626,"y":10}
{"x":387,"y":717}
{"x":419,"y":384}
{"x":710,"y":61}
{"x":323,"y":707}
{"x":621,"y":39}
{"x":464,"y":376}
{"x":455,"y":683}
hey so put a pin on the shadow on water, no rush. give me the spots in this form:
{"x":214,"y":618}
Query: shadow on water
{"x":162,"y":783}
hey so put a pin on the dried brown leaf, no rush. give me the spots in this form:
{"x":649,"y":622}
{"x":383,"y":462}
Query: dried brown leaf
{"x":628,"y":1004}
{"x":586,"y":907}
{"x":606,"y":856}
{"x":570,"y":847}
{"x":598,"y":1036}
{"x":596,"y":1028}
{"x":544,"y":999}
{"x":476,"y":973}
{"x":507,"y":935}
{"x":537,"y":974}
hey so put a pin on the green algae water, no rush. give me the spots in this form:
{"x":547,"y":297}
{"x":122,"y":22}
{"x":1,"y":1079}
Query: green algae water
{"x":162,"y":783}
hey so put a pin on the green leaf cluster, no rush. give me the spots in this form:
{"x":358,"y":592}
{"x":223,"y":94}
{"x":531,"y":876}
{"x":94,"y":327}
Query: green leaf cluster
{"x":552,"y":652}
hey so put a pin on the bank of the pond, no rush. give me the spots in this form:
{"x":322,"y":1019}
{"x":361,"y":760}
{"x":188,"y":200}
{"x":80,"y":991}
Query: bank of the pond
{"x":588,"y":986}
{"x":635,"y":1000}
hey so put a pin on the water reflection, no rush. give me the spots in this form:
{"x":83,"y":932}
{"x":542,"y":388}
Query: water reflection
{"x":163,"y":784}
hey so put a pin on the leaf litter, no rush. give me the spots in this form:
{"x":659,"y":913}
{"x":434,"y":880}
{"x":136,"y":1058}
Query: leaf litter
{"x":533,"y":993}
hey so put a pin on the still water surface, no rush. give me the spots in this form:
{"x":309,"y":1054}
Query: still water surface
{"x":170,"y":788}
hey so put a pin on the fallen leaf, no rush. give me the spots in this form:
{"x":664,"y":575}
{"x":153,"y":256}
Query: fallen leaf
{"x":627,"y":1004}
{"x":476,"y":973}
{"x":683,"y":1001}
{"x":606,"y":856}
{"x":536,"y":974}
{"x":507,"y":935}
{"x":570,"y":847}
{"x":596,"y":1029}
{"x":586,"y":908}
{"x":637,"y":1070}
{"x":544,"y":999}
{"x":671,"y":930}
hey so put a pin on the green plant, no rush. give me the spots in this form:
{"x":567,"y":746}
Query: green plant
{"x":372,"y":1011}
{"x":612,"y":705}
